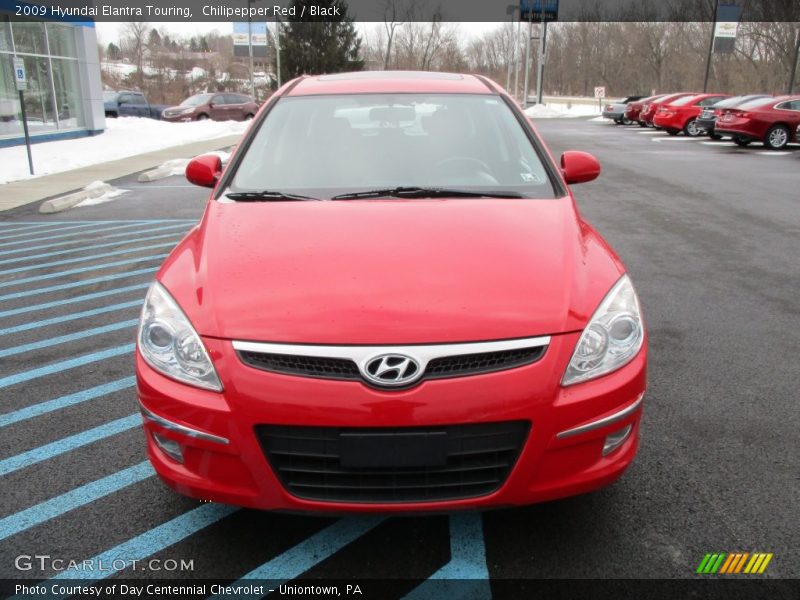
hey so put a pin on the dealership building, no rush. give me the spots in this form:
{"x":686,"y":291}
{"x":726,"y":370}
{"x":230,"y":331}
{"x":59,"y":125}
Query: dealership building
{"x":64,"y":95}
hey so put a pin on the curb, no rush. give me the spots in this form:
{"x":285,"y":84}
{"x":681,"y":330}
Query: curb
{"x":55,"y":205}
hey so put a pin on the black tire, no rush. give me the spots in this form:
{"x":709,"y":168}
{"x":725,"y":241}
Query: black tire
{"x":741,"y":142}
{"x":777,"y":137}
{"x":202,"y":117}
{"x":618,"y":121}
{"x":691,"y":129}
{"x":715,"y":136}
{"x":111,"y":115}
{"x":642,"y":123}
{"x":626,"y":121}
{"x":649,"y":124}
{"x":672,"y":131}
{"x":248,"y":116}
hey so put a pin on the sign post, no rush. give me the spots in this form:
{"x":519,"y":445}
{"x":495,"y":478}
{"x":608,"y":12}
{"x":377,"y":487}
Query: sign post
{"x":21,"y":80}
{"x":600,"y":93}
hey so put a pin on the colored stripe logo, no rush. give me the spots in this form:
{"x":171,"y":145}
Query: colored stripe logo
{"x":749,"y":563}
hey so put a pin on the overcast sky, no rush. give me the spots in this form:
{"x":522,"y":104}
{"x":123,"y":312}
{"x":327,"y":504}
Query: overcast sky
{"x":110,"y":32}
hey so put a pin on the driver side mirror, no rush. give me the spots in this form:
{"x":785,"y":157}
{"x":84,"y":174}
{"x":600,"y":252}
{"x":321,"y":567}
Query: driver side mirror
{"x":579,"y":167}
{"x":204,"y":170}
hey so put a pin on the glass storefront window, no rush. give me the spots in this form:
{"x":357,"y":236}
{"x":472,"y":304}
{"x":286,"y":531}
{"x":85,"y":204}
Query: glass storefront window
{"x":29,"y":37}
{"x":62,"y":40}
{"x":5,"y":35}
{"x":67,"y":86}
{"x":39,"y":95}
{"x":10,"y":119}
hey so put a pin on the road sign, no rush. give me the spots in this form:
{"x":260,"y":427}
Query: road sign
{"x":19,"y":74}
{"x":255,"y":31}
{"x":600,"y":92}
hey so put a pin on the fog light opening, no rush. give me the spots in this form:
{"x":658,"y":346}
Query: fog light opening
{"x":615,"y":440}
{"x":169,"y":447}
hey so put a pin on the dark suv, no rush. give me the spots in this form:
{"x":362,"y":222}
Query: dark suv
{"x":224,"y":106}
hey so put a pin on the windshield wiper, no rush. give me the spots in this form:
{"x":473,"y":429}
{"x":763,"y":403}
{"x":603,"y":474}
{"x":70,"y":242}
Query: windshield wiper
{"x":266,"y":196}
{"x":426,"y":192}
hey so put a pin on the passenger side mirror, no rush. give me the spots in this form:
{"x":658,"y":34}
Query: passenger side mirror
{"x":579,"y":167}
{"x":204,"y":170}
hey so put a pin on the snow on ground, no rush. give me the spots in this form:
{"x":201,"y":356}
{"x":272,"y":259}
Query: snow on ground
{"x":554,"y":110}
{"x":126,"y":136}
{"x":106,"y":197}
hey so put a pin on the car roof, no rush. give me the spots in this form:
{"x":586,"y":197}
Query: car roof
{"x":383,"y":82}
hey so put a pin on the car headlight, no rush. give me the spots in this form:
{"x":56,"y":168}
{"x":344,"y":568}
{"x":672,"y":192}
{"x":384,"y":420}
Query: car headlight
{"x":169,"y":343}
{"x":612,"y":338}
{"x":187,"y":111}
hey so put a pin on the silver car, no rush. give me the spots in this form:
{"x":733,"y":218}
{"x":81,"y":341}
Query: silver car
{"x":616,"y":110}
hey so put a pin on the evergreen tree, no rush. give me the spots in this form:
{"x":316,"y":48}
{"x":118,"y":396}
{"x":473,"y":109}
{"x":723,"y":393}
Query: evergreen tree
{"x":154,"y":40}
{"x":319,"y":44}
{"x":113,"y":52}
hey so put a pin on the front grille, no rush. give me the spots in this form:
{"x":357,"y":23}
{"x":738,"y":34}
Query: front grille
{"x":486,"y":362}
{"x":307,"y":366}
{"x":465,"y":461}
{"x":439,"y":368}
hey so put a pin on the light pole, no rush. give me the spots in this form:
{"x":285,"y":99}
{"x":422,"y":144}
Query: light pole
{"x":250,"y":48}
{"x":794,"y":62}
{"x":278,"y":26}
{"x":511,"y":9}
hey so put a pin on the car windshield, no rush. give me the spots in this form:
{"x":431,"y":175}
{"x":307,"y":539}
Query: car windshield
{"x":196,"y":100}
{"x":324,"y":146}
{"x":110,"y":96}
{"x":683,"y":101}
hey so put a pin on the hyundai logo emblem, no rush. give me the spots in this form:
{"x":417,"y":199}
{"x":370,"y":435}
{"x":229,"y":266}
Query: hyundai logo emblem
{"x":391,"y":370}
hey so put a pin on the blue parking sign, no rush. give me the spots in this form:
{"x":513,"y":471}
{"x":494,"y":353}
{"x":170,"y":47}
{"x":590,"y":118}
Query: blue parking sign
{"x":19,"y":74}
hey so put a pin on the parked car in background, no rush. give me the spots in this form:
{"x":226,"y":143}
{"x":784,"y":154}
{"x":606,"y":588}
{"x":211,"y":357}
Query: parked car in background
{"x":681,"y":114}
{"x":616,"y":110}
{"x":223,"y":106}
{"x":773,"y":121}
{"x":127,"y":103}
{"x":649,"y":109}
{"x":633,"y":109}
{"x":708,"y":116}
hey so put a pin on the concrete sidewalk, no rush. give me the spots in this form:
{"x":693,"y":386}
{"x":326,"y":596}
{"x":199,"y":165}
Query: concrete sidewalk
{"x":19,"y":193}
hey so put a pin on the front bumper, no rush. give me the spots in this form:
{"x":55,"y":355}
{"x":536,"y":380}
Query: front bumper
{"x":562,"y":455}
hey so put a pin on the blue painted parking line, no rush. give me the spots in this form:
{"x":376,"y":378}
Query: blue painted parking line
{"x":118,"y":263}
{"x":49,"y":509}
{"x":47,"y":406}
{"x":29,"y":257}
{"x":74,"y":233}
{"x":54,"y":229}
{"x":76,"y":284}
{"x":73,"y":300}
{"x":64,"y":365}
{"x":467,"y":562}
{"x":152,"y":541}
{"x":182,"y":227}
{"x":311,"y":551}
{"x":79,"y":259}
{"x":70,"y":317}
{"x":70,"y":337}
{"x":8,"y":226}
{"x":67,"y":444}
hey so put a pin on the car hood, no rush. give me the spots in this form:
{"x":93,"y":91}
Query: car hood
{"x":390,"y":272}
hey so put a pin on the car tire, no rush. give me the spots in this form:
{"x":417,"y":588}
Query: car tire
{"x":626,"y":121}
{"x":642,"y":123}
{"x":202,"y":117}
{"x":741,"y":142}
{"x":672,"y":131}
{"x":691,"y":129}
{"x":248,"y":116}
{"x":650,"y":124}
{"x":777,"y":137}
{"x":715,"y":136}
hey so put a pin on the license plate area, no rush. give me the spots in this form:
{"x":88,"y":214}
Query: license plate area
{"x":390,"y":450}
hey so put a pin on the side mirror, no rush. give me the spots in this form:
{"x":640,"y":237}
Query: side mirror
{"x":204,"y":170}
{"x":579,"y":167}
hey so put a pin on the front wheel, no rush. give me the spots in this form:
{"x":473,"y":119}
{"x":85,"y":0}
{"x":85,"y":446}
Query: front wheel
{"x":741,"y":142}
{"x":649,"y":124}
{"x":626,"y":121}
{"x":691,"y":129}
{"x":202,"y":117}
{"x":715,"y":136}
{"x":777,"y":137}
{"x":672,"y":131}
{"x":642,"y":123}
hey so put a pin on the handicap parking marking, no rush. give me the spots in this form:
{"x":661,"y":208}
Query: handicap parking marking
{"x":70,"y":337}
{"x":70,"y":317}
{"x":73,"y":300}
{"x":78,"y":284}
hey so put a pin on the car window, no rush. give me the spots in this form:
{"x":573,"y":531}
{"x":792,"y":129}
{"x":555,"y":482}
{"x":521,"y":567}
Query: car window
{"x":683,"y":101}
{"x":756,"y":103}
{"x":196,"y":100}
{"x":373,"y":141}
{"x":233,"y":99}
{"x":709,"y":101}
{"x":125,"y":99}
{"x":218,"y":99}
{"x":138,"y":98}
{"x":790,"y":105}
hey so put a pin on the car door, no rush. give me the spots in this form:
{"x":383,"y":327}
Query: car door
{"x":126,"y":105}
{"x":218,"y":107}
{"x":235,"y":106}
{"x":140,"y":105}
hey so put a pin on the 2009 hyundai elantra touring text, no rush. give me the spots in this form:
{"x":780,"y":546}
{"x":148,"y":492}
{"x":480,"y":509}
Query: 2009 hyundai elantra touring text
{"x":391,"y":303}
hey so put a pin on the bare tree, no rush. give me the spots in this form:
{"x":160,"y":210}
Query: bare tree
{"x":134,"y":42}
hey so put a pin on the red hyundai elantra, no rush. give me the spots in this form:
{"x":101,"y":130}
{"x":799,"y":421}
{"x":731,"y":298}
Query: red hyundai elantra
{"x":391,"y":303}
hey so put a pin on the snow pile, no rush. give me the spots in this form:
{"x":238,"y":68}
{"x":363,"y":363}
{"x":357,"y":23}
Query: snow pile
{"x":555,"y":110}
{"x":107,"y":196}
{"x":126,"y":136}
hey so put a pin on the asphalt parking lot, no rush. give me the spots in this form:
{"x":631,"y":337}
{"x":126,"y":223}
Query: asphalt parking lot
{"x":711,"y":235}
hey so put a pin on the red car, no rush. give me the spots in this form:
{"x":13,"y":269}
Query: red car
{"x":225,"y":106}
{"x":634,"y":109}
{"x":391,"y":303}
{"x":650,"y":108}
{"x":773,"y":121}
{"x":681,"y":114}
